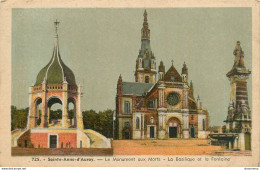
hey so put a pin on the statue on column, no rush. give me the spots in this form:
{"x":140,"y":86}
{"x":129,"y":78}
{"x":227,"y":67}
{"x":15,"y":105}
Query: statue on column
{"x":239,"y":56}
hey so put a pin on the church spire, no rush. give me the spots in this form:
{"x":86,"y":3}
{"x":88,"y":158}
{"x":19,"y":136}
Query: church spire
{"x":146,"y":62}
{"x":145,"y":29}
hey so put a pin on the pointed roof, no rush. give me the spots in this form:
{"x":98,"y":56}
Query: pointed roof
{"x":145,"y":51}
{"x":161,"y":67}
{"x":184,"y":69}
{"x":145,"y":29}
{"x":55,"y":72}
{"x":172,"y":72}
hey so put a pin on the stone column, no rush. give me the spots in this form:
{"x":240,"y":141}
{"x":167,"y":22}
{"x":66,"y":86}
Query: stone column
{"x":241,"y":141}
{"x":186,"y":133}
{"x":133,"y":125}
{"x":185,"y":115}
{"x":236,"y":143}
{"x":75,"y":115}
{"x":142,"y":125}
{"x":79,"y":110}
{"x":161,"y":130}
{"x":44,"y":112}
{"x":48,"y":117}
{"x":161,"y":96}
{"x":31,"y":117}
{"x":65,"y":123}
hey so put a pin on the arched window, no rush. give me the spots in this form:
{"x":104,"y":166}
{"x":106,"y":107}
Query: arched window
{"x":127,"y":124}
{"x":127,"y":107}
{"x":203,"y":124}
{"x":172,"y":78}
{"x":146,"y":79}
{"x":151,"y":119}
{"x":140,"y":63}
{"x":137,"y":123}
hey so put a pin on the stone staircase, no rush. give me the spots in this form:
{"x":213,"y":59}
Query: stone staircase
{"x":97,"y":140}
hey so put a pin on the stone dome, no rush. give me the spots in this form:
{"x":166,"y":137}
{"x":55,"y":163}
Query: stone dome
{"x":55,"y":72}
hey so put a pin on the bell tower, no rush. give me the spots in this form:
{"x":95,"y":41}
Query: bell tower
{"x":145,"y":63}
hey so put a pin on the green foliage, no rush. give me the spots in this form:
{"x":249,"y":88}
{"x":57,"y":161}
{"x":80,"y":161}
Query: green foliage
{"x":18,"y":118}
{"x":101,"y":122}
{"x":71,"y":114}
{"x":56,"y":114}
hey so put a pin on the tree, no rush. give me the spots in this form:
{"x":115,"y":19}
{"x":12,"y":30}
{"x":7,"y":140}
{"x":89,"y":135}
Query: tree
{"x":19,"y":118}
{"x":101,"y":122}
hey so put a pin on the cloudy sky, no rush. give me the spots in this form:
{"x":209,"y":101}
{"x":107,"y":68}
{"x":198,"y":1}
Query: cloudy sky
{"x":100,"y":44}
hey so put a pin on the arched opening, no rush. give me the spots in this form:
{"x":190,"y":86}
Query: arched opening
{"x":137,"y":123}
{"x":146,"y":79}
{"x":192,"y":131}
{"x":203,"y":124}
{"x":38,"y":111}
{"x":54,"y":112}
{"x":174,"y":128}
{"x":126,"y":133}
{"x":72,"y":112}
{"x":127,"y":107}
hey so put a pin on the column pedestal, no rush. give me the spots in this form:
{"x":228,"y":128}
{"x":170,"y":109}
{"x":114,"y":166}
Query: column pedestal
{"x":161,"y":134}
{"x":186,"y":134}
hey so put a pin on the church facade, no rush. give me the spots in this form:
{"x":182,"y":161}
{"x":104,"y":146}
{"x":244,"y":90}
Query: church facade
{"x":157,"y":109}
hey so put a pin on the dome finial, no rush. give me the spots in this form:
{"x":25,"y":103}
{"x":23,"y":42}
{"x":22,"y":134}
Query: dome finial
{"x":56,"y":24}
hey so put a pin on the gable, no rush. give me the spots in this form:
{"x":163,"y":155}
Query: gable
{"x":172,"y":72}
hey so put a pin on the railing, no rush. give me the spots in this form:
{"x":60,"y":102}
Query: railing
{"x":37,"y":88}
{"x":57,"y":87}
{"x":54,"y":87}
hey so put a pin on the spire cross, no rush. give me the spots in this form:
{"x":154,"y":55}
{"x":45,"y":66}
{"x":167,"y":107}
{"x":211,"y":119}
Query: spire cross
{"x":172,"y":62}
{"x":56,"y":25}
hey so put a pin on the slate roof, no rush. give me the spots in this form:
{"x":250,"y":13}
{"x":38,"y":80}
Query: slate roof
{"x":135,"y":88}
{"x":55,"y":71}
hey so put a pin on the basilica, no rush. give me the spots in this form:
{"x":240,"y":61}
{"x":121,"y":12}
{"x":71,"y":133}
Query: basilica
{"x":158,"y":109}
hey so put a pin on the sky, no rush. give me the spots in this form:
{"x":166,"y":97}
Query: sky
{"x":99,"y":44}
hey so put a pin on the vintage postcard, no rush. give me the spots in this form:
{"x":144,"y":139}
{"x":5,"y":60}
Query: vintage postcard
{"x":133,"y":83}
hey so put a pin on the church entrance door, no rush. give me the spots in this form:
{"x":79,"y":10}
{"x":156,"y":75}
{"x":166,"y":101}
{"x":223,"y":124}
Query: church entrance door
{"x":53,"y":141}
{"x":151,"y":131}
{"x":192,"y":132}
{"x":127,"y":135}
{"x":173,"y":132}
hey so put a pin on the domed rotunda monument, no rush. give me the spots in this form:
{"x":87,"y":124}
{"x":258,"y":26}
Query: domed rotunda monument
{"x":56,"y":85}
